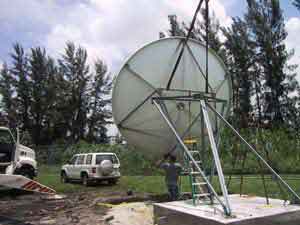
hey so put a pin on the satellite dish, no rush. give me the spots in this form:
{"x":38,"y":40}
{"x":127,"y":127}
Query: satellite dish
{"x":145,"y":75}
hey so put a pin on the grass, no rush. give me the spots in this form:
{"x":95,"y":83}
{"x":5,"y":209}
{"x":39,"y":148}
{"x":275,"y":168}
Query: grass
{"x":50,"y":176}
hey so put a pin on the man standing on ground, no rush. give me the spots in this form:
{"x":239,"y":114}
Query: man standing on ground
{"x":172,"y":170}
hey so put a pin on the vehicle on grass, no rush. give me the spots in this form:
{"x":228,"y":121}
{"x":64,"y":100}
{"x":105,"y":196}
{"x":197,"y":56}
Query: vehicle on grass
{"x":16,"y":159}
{"x":91,"y":167}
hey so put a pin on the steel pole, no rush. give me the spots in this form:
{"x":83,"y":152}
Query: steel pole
{"x":215,"y":154}
{"x":190,"y":156}
{"x":255,"y":153}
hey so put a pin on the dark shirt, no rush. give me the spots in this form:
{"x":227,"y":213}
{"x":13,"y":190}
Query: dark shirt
{"x":172,"y":172}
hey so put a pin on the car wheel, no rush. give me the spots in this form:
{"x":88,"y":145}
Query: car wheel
{"x":26,"y":172}
{"x":84,"y":179}
{"x":112,"y":181}
{"x":64,"y":178}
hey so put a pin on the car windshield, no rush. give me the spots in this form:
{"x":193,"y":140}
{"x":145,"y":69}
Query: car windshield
{"x":5,"y":137}
{"x":112,"y":158}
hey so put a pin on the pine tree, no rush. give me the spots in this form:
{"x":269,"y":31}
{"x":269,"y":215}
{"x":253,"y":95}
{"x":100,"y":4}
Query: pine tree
{"x":214,"y":30}
{"x":297,"y":4}
{"x":22,"y":85}
{"x":266,"y":22}
{"x":8,"y":107}
{"x":175,"y":28}
{"x":75,"y":71}
{"x":240,"y":55}
{"x":42,"y":69}
{"x":178,"y":28}
{"x":99,"y":104}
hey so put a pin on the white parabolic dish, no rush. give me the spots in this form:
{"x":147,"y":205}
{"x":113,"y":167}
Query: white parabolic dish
{"x":145,"y":75}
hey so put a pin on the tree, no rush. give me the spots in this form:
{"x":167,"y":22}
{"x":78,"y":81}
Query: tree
{"x":240,"y":55}
{"x":22,"y":86}
{"x":56,"y":101}
{"x":297,"y":4}
{"x":266,"y":22}
{"x":199,"y":32}
{"x":8,"y":114}
{"x":175,"y":28}
{"x":75,"y":71}
{"x":214,"y":30}
{"x":99,"y":104}
{"x":42,"y":69}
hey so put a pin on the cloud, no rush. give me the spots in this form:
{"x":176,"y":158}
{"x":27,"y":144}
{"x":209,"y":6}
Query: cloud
{"x":293,"y":41}
{"x":112,"y":30}
{"x":108,"y":29}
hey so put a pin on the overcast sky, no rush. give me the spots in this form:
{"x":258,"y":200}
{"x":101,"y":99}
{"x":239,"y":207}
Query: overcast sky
{"x":111,"y":29}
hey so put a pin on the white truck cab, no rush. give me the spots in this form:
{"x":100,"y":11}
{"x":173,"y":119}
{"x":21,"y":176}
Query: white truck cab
{"x":90,"y":167}
{"x":14,"y":157}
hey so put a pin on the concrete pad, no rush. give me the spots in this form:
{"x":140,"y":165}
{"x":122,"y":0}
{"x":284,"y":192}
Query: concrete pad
{"x":246,"y":210}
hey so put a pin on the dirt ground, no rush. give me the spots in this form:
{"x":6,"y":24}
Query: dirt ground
{"x":80,"y":208}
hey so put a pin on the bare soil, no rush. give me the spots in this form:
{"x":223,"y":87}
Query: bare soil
{"x":21,"y":208}
{"x":84,"y":208}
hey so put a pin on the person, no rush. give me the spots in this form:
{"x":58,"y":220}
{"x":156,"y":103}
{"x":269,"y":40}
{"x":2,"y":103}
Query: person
{"x":172,"y":172}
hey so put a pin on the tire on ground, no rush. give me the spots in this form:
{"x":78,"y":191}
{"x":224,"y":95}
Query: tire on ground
{"x":63,"y":177}
{"x":85,"y":179}
{"x":26,"y":171}
{"x":113,"y":181}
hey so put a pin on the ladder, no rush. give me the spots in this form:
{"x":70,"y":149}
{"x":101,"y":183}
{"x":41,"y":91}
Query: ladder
{"x":199,"y":187}
{"x":197,"y":170}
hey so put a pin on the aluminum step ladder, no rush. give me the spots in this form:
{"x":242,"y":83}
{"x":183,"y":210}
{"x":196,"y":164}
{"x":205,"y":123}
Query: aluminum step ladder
{"x":199,"y":187}
{"x":224,"y":201}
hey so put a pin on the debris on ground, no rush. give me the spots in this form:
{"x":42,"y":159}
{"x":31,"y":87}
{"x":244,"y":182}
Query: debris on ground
{"x":34,"y":209}
{"x":79,"y":208}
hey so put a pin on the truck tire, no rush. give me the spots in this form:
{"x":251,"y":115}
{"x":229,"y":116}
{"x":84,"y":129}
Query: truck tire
{"x":85,"y":179}
{"x":26,"y":172}
{"x":64,"y":178}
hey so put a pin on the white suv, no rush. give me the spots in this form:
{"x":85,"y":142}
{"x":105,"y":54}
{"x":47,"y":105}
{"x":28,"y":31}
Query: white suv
{"x":92,"y":167}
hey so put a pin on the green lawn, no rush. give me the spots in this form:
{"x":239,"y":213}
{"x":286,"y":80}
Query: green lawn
{"x":49,"y":175}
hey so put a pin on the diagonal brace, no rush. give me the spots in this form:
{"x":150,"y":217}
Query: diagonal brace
{"x":186,"y":150}
{"x":255,"y":153}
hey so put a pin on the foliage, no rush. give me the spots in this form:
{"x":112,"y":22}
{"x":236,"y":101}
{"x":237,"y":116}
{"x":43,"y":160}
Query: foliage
{"x":297,"y":4}
{"x":56,"y":99}
{"x":133,"y":162}
{"x":274,"y":145}
{"x":280,"y":148}
{"x":277,"y":78}
{"x":240,"y":51}
{"x":265,"y":91}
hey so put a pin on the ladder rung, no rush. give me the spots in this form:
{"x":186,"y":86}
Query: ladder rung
{"x":196,"y":162}
{"x":194,"y":172}
{"x":202,"y":195}
{"x":194,"y":152}
{"x":198,"y":184}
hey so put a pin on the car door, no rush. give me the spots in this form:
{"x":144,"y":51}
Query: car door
{"x":78,"y":166}
{"x":88,"y":163}
{"x":71,"y":166}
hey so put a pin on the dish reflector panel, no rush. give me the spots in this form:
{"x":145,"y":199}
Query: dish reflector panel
{"x":145,"y":75}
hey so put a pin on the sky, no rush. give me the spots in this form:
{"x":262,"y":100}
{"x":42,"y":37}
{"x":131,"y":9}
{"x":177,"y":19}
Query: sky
{"x":112,"y":29}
